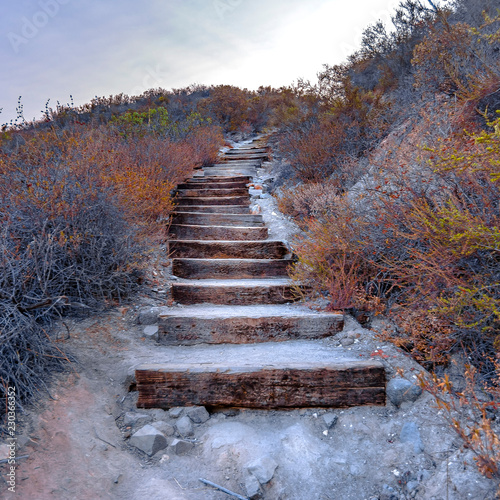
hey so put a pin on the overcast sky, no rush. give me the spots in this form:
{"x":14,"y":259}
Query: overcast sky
{"x":86,"y":48}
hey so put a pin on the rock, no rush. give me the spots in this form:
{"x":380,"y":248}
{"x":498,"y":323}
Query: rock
{"x":252,"y":487}
{"x":400,"y":390}
{"x":151,"y":331}
{"x":412,"y":485}
{"x":148,"y":316}
{"x":149,"y":440}
{"x":136,"y":419}
{"x":388,"y":493}
{"x":231,"y":412}
{"x":164,"y":427}
{"x":181,"y":447}
{"x":410,"y":434}
{"x":347,"y":341}
{"x":330,"y":419}
{"x":159,"y":414}
{"x":263,"y":469}
{"x":176,"y":412}
{"x":198,"y":414}
{"x":184,"y":426}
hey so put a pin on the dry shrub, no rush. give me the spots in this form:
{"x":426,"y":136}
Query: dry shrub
{"x":308,"y":200}
{"x":471,"y":412}
{"x":76,"y":205}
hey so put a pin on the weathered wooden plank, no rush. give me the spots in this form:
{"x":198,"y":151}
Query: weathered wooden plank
{"x":234,"y":294}
{"x":192,"y":330}
{"x":214,"y":200}
{"x":222,"y":233}
{"x":302,"y":385}
{"x":190,"y":193}
{"x":228,"y":249}
{"x":212,"y":185}
{"x":204,"y":219}
{"x":221,"y":179}
{"x":230,"y":268}
{"x":214,"y":209}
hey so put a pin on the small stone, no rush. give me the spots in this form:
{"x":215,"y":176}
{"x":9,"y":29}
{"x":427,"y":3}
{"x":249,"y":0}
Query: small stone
{"x":148,"y":316}
{"x":410,"y":434}
{"x":136,"y":419}
{"x":164,"y":427}
{"x":263,"y":469}
{"x":388,"y":493}
{"x":231,"y":412}
{"x":198,"y":414}
{"x":252,"y":486}
{"x":411,"y":485}
{"x":347,"y":341}
{"x":400,"y":390}
{"x":176,"y":412}
{"x":149,"y":440}
{"x":184,"y":426}
{"x":181,"y":447}
{"x":330,"y":419}
{"x":151,"y":331}
{"x":159,"y":414}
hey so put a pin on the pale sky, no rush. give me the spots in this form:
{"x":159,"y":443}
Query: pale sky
{"x":86,"y":48}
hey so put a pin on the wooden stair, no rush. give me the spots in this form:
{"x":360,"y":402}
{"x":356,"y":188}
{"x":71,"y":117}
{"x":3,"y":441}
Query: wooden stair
{"x":235,"y":293}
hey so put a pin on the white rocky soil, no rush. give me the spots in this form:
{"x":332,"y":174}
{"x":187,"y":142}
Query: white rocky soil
{"x":89,"y":441}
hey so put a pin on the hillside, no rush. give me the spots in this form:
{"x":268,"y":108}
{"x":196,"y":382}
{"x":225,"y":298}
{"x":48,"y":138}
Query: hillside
{"x":387,"y":169}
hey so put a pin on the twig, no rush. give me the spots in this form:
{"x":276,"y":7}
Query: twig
{"x":103,"y":440}
{"x":224,"y":490}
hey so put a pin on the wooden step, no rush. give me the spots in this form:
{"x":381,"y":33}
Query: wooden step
{"x":190,"y":193}
{"x":216,"y":209}
{"x":213,"y":185}
{"x":246,"y":150}
{"x":247,"y":156}
{"x":221,"y":233}
{"x":234,"y":292}
{"x":230,"y":268}
{"x":204,"y":219}
{"x":227,"y":249}
{"x":221,"y":179}
{"x":282,"y":384}
{"x":200,"y":324}
{"x":214,"y":200}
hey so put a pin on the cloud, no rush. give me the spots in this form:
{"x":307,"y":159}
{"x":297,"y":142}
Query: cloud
{"x":101,"y":47}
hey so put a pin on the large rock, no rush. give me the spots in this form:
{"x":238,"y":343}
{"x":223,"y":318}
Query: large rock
{"x":148,"y":316}
{"x":184,"y":426}
{"x":136,"y":419}
{"x":181,"y":447}
{"x":400,"y":390}
{"x":198,"y":414}
{"x":252,"y":486}
{"x":149,"y":440}
{"x":263,"y":469}
{"x":164,"y":427}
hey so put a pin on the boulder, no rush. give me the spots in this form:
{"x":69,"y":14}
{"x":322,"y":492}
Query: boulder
{"x":198,"y":414}
{"x":262,"y":468}
{"x":400,"y":390}
{"x":149,"y":440}
{"x":184,"y":426}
